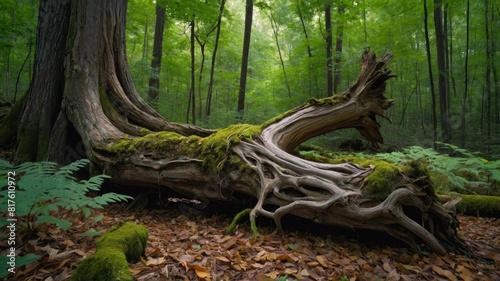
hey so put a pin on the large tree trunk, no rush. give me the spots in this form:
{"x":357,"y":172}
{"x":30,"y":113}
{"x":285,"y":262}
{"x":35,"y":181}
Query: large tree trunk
{"x":44,"y":98}
{"x":247,"y":165}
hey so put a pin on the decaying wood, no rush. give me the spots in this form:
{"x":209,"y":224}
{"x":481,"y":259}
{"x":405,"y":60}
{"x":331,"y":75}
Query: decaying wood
{"x":262,"y":166}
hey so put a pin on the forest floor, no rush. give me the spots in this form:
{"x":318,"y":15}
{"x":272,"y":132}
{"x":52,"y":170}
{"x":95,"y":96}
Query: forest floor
{"x":188,"y":244}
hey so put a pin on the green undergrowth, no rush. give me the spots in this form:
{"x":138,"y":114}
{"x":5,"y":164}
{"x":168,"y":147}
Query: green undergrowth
{"x":40,"y":189}
{"x":122,"y":243}
{"x":465,"y":172}
{"x":33,"y":193}
{"x":212,"y":150}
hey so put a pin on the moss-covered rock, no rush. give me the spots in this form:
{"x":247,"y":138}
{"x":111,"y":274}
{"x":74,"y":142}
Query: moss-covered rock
{"x":479,"y":205}
{"x":124,"y":242}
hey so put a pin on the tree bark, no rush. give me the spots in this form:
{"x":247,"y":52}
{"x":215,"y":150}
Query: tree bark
{"x":431,"y":77}
{"x":44,"y":95}
{"x":154,"y":81}
{"x":192,"y":97}
{"x":208,"y":104}
{"x":309,"y":51}
{"x":329,"y":58}
{"x":245,"y":55}
{"x":247,"y":165}
{"x":466,"y":77}
{"x":444,"y":96}
{"x":337,"y":72}
{"x":275,"y":28}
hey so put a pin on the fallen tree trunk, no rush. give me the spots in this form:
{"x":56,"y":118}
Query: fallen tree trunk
{"x":243,"y":162}
{"x":97,"y":113}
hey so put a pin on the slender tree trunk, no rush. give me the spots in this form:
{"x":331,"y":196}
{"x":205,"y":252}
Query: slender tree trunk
{"x":442,"y":72}
{"x":489,"y":62}
{"x":309,"y":52}
{"x":154,"y":81}
{"x":192,"y":101}
{"x":431,"y":78}
{"x":448,"y":21}
{"x":329,"y":59}
{"x":494,"y":58}
{"x":275,"y":28}
{"x":145,"y":42}
{"x":337,"y":76}
{"x":244,"y":56}
{"x":200,"y":75}
{"x":466,"y":77}
{"x":208,"y":104}
{"x":365,"y":31}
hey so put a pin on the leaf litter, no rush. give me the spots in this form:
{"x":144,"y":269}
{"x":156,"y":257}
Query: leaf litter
{"x":184,"y":246}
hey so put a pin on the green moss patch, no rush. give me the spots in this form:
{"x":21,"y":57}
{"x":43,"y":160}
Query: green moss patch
{"x":124,"y":242}
{"x":479,"y":205}
{"x":381,"y":181}
{"x":212,"y":150}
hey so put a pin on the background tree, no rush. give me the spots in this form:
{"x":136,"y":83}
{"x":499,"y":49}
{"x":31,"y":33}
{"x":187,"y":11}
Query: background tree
{"x":337,"y":72}
{"x":429,"y":67}
{"x":214,"y":55}
{"x":244,"y":55}
{"x":154,"y":81}
{"x":329,"y":57}
{"x":443,"y":84}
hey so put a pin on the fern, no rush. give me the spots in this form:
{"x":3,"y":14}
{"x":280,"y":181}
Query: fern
{"x":43,"y":189}
{"x":467,"y":173}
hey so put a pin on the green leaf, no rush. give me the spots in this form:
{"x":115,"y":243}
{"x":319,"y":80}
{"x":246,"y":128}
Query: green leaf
{"x":64,"y":224}
{"x":91,"y":232}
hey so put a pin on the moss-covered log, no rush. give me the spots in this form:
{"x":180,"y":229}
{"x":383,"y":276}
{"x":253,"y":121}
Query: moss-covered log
{"x":102,"y":117}
{"x":122,"y":243}
{"x":245,"y":162}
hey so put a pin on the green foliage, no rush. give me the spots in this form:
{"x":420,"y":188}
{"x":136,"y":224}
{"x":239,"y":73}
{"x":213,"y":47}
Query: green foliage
{"x":465,"y":173}
{"x":20,"y":261}
{"x":42,"y":189}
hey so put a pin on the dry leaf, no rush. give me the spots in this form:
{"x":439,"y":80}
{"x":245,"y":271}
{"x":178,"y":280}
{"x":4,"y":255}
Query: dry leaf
{"x":229,"y":243}
{"x":465,"y":273}
{"x":443,"y":272}
{"x":322,"y":260}
{"x":201,"y":272}
{"x":158,"y":261}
